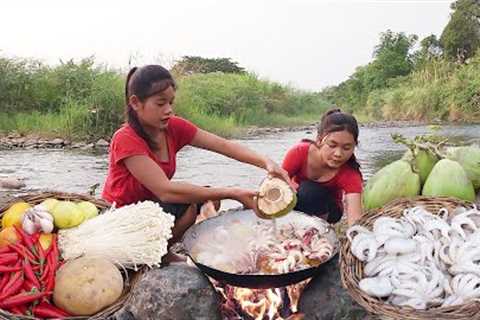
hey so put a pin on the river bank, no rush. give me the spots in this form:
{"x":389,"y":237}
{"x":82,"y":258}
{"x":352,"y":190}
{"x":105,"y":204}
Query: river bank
{"x":19,"y":141}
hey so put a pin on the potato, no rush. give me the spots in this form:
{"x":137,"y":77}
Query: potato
{"x":85,"y":286}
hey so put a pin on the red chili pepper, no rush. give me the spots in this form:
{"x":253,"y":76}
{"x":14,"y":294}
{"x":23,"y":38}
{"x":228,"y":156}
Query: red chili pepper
{"x":8,"y":258}
{"x":50,"y":281}
{"x":26,"y":239}
{"x":12,"y":277}
{"x":35,"y":237}
{"x":22,"y":298}
{"x":29,"y":286}
{"x":27,"y":269}
{"x":14,"y":288}
{"x":46,"y":310}
{"x":5,"y":269}
{"x":3,"y":281}
{"x":45,"y":273}
{"x":41,"y":255}
{"x":5,"y":249}
{"x":23,"y":252}
{"x":19,"y":310}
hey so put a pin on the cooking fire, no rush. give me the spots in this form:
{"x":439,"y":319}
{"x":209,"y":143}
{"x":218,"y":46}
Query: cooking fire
{"x":260,"y":304}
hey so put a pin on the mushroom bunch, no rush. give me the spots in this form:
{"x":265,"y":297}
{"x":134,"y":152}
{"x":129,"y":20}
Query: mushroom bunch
{"x":421,"y":260}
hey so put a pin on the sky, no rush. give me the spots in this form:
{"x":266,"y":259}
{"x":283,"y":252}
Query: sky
{"x":308,"y":44}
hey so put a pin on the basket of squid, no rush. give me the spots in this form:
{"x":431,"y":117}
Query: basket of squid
{"x":50,"y":248}
{"x":415,"y":258}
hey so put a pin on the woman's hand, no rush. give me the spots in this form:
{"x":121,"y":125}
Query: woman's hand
{"x":245,"y":197}
{"x":275,"y":170}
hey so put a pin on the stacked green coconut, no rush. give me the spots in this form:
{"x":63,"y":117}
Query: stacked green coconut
{"x":427,"y":168}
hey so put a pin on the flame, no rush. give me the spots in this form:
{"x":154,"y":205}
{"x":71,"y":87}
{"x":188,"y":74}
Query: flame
{"x":259,"y":304}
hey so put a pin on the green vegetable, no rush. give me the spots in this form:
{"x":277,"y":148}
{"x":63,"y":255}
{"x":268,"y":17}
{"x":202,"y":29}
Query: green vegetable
{"x":469,"y":159}
{"x":448,"y":178}
{"x":396,"y":180}
{"x":423,"y":160}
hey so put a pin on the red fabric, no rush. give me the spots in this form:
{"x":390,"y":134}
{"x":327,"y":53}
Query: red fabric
{"x":121,"y":186}
{"x":347,"y":180}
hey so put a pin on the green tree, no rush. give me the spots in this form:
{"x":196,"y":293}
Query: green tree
{"x":430,"y":48}
{"x":461,"y":37}
{"x":195,"y":64}
{"x":392,"y":58}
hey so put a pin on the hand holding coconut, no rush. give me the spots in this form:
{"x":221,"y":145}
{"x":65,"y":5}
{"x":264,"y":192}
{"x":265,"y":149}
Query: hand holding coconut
{"x":275,"y":198}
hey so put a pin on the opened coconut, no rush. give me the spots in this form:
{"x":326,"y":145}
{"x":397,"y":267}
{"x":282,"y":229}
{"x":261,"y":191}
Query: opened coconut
{"x":276,"y":198}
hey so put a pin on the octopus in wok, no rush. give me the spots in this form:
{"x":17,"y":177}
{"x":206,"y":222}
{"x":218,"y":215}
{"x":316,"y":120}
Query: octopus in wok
{"x":290,"y":248}
{"x":296,"y":249}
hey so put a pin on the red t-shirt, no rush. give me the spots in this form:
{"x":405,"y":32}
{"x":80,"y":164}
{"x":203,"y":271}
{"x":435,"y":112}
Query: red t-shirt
{"x":121,"y":186}
{"x":347,"y":180}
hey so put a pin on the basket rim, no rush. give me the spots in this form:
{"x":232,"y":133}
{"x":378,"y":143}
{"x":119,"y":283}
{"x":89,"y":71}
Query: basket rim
{"x":37,"y":197}
{"x":132,"y":278}
{"x":351,"y":268}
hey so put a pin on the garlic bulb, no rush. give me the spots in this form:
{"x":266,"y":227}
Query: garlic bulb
{"x":37,"y":219}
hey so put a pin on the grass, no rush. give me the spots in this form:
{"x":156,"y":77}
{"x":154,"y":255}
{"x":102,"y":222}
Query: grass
{"x":82,"y":100}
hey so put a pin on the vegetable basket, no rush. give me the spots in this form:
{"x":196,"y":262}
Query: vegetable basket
{"x":130,"y":277}
{"x":351,"y":268}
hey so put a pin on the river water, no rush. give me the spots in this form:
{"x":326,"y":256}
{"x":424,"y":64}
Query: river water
{"x":76,"y":171}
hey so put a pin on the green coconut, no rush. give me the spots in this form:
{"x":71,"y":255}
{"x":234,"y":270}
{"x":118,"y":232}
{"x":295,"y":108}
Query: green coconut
{"x":275,"y":198}
{"x":469,"y":159}
{"x":423,"y":161}
{"x":396,"y":180}
{"x":449,"y":179}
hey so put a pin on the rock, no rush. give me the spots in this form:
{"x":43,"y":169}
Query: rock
{"x":101,"y":144}
{"x":13,"y":135}
{"x":56,"y":142}
{"x":78,"y":145}
{"x":478,"y":199}
{"x":30,"y":143}
{"x":18,"y":142}
{"x":88,"y":146}
{"x":177,"y":291}
{"x":326,"y":290}
{"x":11,"y":183}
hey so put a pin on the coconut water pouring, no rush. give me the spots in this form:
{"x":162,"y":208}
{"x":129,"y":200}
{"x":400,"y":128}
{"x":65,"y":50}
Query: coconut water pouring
{"x":275,"y":199}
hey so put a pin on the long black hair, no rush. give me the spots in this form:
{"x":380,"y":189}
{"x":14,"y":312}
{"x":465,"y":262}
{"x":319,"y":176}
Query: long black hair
{"x":335,"y":120}
{"x":145,"y":82}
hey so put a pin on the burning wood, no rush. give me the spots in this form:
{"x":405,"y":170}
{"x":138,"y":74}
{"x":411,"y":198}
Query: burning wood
{"x":260,"y":304}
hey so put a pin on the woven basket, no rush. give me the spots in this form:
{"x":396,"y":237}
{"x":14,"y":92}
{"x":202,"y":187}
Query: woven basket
{"x":130,"y":279}
{"x":351,"y":268}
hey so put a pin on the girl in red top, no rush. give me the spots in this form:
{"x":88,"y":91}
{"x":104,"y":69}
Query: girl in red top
{"x":326,"y":172}
{"x":143,"y":152}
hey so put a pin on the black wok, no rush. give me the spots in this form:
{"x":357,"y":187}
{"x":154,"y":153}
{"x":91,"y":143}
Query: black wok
{"x":257,"y":281}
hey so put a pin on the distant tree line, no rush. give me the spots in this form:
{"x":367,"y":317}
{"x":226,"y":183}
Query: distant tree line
{"x":398,"y":56}
{"x":194,"y":64}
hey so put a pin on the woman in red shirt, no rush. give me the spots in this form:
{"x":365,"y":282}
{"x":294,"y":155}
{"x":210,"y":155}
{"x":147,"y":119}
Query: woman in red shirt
{"x":142,"y":158}
{"x":325,"y":171}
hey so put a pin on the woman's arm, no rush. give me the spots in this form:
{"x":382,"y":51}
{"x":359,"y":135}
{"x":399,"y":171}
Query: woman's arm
{"x":150,"y":175}
{"x":353,"y":207}
{"x":237,"y":151}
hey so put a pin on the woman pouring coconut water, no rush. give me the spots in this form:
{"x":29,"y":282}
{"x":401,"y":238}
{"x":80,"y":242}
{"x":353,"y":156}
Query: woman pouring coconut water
{"x":142,"y":158}
{"x":326,"y":171}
